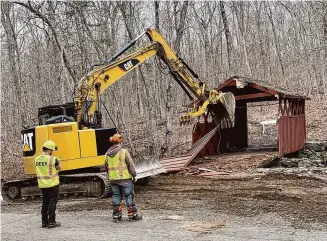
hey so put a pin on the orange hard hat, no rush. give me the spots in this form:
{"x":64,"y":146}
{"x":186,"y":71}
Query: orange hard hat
{"x":116,"y":138}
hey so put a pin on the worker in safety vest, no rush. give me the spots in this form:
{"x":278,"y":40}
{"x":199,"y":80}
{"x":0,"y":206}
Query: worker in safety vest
{"x":47,"y":168}
{"x":122,"y":176}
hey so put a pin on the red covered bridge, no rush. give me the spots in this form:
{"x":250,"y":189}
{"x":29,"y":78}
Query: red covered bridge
{"x":291,"y":117}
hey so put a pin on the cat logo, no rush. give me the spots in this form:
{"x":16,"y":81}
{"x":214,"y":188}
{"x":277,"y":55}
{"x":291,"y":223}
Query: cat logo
{"x":27,"y":140}
{"x":129,"y":64}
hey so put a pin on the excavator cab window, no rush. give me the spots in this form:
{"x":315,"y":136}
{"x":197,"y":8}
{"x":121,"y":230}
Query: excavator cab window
{"x":54,"y":114}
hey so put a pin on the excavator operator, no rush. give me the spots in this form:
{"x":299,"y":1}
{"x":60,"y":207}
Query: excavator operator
{"x":122,"y":176}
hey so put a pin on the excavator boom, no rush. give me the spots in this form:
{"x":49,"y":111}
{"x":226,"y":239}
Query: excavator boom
{"x":95,"y":82}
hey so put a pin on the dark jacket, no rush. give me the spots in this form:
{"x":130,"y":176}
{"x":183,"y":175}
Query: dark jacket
{"x":112,"y":151}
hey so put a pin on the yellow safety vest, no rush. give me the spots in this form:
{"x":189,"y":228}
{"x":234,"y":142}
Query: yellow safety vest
{"x":47,"y":174}
{"x":117,"y":168}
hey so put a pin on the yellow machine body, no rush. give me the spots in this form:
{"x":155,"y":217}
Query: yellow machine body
{"x":77,"y":149}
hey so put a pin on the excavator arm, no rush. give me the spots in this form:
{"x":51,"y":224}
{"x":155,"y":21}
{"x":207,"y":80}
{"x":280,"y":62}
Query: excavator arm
{"x":88,"y":93}
{"x":220,"y":105}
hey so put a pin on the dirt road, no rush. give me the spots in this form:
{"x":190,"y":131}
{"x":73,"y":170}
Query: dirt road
{"x":177,"y":207}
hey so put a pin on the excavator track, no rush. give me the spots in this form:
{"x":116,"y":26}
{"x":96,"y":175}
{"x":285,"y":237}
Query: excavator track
{"x":93,"y":179}
{"x":94,"y":185}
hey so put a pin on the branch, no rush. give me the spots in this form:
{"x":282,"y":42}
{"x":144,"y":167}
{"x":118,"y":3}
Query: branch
{"x":47,"y":21}
{"x":11,"y":102}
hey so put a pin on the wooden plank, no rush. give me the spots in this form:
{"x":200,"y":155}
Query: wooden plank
{"x":174,"y":165}
{"x":258,"y":87}
{"x":226,"y":83}
{"x":206,"y":174}
{"x":252,"y":96}
{"x":280,"y":137}
{"x":291,"y":116}
{"x":175,"y":158}
{"x":205,"y":139}
{"x":178,"y":162}
{"x":206,"y":169}
{"x":174,"y":162}
{"x":175,"y":169}
{"x":182,"y":162}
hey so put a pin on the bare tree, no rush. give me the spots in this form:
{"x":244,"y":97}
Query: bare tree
{"x":180,"y":23}
{"x":156,"y":10}
{"x":227,"y":34}
{"x":14,"y":60}
{"x":36,"y":11}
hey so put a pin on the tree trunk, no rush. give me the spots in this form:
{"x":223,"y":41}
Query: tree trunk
{"x":181,"y":26}
{"x":14,"y":60}
{"x":242,"y":28}
{"x":169,"y":114}
{"x":276,"y":41}
{"x":227,"y":35}
{"x":156,"y":10}
{"x":324,"y":43}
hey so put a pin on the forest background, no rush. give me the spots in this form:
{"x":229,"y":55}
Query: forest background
{"x":48,"y":46}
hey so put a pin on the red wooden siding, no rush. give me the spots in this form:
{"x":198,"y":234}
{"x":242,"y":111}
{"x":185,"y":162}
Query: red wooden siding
{"x":292,"y":133}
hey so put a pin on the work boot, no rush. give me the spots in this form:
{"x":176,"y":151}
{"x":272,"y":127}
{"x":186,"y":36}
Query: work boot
{"x":135,"y":217}
{"x":45,"y":221}
{"x":54,"y":224}
{"x":117,"y":218}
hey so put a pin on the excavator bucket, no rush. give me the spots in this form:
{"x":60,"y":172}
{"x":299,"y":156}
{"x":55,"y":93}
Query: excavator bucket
{"x":224,"y":110}
{"x":221,"y":105}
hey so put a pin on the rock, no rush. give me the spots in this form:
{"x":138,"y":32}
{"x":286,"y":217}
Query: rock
{"x":302,"y":171}
{"x":311,"y":163}
{"x":290,"y":162}
{"x":288,"y":170}
{"x":305,"y":163}
{"x":307,"y":153}
{"x":317,"y":146}
{"x":324,"y":158}
{"x":302,"y":162}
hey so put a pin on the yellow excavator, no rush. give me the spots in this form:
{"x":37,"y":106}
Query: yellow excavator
{"x":77,"y":130}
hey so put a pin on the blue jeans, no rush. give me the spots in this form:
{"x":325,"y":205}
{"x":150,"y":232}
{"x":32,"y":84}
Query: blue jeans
{"x":120,"y":190}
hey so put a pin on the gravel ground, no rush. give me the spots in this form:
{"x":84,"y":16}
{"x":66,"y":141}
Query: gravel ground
{"x":95,"y":225}
{"x":178,"y":207}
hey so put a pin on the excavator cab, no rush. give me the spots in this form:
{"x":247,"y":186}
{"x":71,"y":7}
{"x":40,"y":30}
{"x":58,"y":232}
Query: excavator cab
{"x":54,"y":114}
